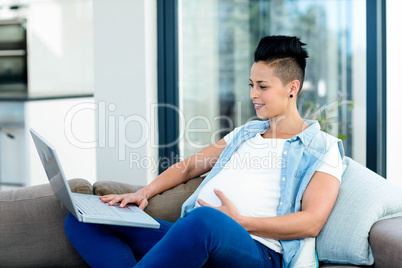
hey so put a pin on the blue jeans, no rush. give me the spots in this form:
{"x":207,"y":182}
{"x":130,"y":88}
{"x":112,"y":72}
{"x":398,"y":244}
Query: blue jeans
{"x":204,"y":237}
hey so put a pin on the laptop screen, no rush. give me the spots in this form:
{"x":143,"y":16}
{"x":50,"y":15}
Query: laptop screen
{"x":53,"y":170}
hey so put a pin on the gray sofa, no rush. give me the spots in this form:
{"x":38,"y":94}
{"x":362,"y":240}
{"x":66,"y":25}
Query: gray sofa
{"x":32,"y":232}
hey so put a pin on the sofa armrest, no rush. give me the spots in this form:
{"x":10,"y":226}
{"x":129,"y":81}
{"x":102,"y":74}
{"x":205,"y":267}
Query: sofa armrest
{"x":32,"y":228}
{"x":386,"y":243}
{"x":165,"y":206}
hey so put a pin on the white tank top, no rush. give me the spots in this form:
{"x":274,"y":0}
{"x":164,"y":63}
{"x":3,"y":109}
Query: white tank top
{"x":251,"y":179}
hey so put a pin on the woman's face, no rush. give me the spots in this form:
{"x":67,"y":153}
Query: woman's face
{"x":269,"y":95}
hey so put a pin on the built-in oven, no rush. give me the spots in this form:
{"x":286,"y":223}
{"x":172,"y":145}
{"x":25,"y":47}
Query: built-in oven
{"x":13,"y":55}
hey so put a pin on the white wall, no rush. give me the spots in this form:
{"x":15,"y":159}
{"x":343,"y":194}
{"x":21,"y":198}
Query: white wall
{"x":394,"y":91}
{"x":125,"y":89}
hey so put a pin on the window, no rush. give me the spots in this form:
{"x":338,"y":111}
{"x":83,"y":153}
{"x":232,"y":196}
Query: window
{"x":217,"y":39}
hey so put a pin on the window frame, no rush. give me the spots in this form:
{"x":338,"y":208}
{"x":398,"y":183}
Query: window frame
{"x":168,"y":91}
{"x":376,"y":106}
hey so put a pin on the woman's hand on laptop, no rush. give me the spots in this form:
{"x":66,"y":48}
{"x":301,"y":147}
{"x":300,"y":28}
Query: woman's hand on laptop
{"x":138,"y":198}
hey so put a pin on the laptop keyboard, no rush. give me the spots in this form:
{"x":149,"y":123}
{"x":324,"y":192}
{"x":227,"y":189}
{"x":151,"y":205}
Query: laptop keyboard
{"x":94,"y":207}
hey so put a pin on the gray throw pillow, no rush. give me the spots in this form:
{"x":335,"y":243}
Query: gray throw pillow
{"x":364,"y":198}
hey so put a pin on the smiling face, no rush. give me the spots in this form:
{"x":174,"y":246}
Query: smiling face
{"x":269,"y":95}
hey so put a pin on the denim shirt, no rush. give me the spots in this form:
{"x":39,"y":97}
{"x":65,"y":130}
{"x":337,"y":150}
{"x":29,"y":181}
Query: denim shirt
{"x":300,"y":159}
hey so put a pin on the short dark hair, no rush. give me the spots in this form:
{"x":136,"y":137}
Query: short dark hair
{"x":286,"y":54}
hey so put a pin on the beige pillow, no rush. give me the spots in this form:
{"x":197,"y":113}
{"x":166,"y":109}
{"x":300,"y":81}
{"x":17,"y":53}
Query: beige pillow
{"x":80,"y":186}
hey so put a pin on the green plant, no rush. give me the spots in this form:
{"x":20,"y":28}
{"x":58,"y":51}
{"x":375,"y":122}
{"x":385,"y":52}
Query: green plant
{"x":327,"y":115}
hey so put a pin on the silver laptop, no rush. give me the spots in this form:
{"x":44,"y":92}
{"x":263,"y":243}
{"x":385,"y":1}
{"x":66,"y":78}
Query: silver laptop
{"x":86,"y":208}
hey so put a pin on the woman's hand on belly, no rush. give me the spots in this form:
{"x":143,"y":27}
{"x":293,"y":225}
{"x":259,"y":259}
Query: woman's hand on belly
{"x":227,"y":206}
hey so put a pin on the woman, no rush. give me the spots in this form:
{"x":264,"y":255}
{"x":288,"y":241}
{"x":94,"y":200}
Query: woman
{"x":272,"y":185}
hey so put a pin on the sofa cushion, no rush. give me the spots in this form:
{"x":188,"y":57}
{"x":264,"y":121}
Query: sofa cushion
{"x":165,"y":206}
{"x":80,"y":186}
{"x":32,"y":228}
{"x":111,"y":187}
{"x":364,"y":198}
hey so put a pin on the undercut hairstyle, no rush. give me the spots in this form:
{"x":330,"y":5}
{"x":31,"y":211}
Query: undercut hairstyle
{"x":285,"y":54}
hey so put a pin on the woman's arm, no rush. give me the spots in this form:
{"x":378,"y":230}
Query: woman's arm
{"x":317,"y":203}
{"x":176,"y":174}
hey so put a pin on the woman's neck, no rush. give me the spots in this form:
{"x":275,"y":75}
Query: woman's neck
{"x":285,"y":126}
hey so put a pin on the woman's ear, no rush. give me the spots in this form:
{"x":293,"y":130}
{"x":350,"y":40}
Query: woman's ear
{"x":294,"y":87}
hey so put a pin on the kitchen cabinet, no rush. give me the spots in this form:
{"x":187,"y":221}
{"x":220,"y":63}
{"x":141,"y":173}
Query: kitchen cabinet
{"x":59,"y":66}
{"x":19,"y":161}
